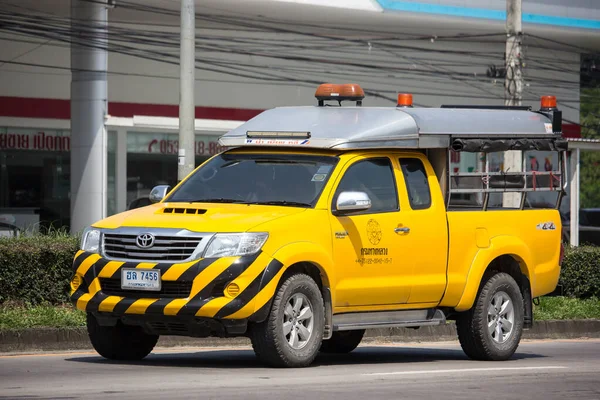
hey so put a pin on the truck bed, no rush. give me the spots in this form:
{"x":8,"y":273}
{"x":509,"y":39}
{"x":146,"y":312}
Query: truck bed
{"x":476,"y":238}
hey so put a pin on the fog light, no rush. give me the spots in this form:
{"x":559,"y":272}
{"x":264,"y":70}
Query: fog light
{"x":232,"y":290}
{"x":76,"y":282}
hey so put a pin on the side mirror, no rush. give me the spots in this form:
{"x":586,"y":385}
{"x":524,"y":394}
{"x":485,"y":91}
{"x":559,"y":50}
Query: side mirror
{"x":158,"y":193}
{"x":352,"y":201}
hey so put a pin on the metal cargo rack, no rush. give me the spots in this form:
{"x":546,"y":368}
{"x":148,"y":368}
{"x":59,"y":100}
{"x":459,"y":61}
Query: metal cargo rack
{"x":486,"y":182}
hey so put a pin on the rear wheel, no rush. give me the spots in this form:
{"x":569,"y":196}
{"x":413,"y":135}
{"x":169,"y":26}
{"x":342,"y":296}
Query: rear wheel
{"x":492,"y":329}
{"x":120,"y":342}
{"x":292,"y":333}
{"x":342,"y":342}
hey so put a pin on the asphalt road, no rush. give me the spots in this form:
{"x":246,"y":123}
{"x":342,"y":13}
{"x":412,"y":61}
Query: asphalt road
{"x":540,"y":370}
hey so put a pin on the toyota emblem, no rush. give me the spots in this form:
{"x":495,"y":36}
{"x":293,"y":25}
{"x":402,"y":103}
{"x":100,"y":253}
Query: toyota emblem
{"x":145,"y":240}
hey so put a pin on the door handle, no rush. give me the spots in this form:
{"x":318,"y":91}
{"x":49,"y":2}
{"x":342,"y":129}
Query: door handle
{"x":402,"y":230}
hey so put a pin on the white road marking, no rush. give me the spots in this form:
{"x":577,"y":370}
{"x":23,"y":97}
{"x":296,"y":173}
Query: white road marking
{"x":445,"y":371}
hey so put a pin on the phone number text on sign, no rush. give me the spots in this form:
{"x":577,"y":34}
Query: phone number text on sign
{"x":201,"y":148}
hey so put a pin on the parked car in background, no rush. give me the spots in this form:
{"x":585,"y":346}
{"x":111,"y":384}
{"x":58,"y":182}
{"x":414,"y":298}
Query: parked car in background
{"x":589,"y":226}
{"x":8,"y":230}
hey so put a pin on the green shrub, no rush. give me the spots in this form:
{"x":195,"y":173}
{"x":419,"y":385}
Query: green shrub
{"x":580,"y":275}
{"x":559,"y":307}
{"x":36,"y":269}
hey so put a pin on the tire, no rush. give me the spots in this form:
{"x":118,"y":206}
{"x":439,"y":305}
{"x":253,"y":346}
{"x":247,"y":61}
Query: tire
{"x":342,"y":342}
{"x":278,"y":348}
{"x":499,"y":291}
{"x":120,"y":342}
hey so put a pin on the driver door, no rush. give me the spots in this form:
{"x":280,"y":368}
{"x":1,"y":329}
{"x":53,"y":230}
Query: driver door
{"x":367,"y":247}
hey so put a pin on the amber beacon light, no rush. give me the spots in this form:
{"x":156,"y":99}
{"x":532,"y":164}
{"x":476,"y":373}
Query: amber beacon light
{"x":339,"y":93}
{"x":405,"y":100}
{"x":548,"y":102}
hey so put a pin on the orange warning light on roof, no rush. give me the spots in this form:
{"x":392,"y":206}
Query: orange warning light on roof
{"x":352,"y":90}
{"x":332,"y":91}
{"x":327,"y":90}
{"x":548,"y":101}
{"x":405,"y":100}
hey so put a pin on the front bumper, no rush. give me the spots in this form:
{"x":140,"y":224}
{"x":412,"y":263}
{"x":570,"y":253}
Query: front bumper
{"x":190,"y":290}
{"x":178,"y":326}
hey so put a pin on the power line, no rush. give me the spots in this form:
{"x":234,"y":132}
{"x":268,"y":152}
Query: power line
{"x":154,"y":45}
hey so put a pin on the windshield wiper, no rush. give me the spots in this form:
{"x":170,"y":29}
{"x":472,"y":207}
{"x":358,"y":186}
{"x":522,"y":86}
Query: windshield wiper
{"x":283,"y":203}
{"x":217,"y":200}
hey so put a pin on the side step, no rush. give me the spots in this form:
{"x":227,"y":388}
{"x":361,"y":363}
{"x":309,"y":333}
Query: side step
{"x":388,"y":319}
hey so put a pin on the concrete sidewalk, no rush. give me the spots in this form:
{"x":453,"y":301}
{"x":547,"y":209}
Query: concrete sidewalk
{"x":53,"y":339}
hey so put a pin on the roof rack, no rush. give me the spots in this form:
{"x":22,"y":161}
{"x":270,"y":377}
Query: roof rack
{"x":403,"y":126}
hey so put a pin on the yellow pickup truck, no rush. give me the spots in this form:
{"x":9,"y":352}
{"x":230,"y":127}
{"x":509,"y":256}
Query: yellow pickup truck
{"x":320,"y":222}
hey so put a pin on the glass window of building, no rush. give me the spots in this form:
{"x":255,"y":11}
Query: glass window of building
{"x":35,"y":169}
{"x":152,"y":160}
{"x":35,"y":178}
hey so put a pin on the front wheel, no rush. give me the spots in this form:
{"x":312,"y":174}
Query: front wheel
{"x":120,"y":342}
{"x":292,"y":333}
{"x":491,"y":330}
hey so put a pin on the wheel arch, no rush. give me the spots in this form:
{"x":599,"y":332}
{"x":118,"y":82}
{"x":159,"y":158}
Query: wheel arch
{"x":304,"y":258}
{"x":506,"y":254}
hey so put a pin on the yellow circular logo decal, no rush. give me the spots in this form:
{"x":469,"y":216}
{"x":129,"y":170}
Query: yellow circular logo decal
{"x":374,"y":232}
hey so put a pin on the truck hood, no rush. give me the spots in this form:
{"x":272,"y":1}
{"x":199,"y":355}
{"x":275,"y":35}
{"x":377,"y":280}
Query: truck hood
{"x":199,"y":217}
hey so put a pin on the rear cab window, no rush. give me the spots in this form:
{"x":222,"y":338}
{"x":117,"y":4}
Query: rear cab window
{"x":417,"y":186}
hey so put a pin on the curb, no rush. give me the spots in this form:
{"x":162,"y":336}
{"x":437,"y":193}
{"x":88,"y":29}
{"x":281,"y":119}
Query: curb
{"x":58,"y":339}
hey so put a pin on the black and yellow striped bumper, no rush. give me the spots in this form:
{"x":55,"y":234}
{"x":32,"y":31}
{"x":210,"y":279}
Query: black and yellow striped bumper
{"x":256,"y":276}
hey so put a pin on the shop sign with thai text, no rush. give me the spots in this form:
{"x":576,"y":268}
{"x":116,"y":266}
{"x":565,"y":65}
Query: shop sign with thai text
{"x":137,"y":142}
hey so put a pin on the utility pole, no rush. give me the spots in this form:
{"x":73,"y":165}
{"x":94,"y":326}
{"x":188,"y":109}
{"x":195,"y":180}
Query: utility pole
{"x":89,"y":24}
{"x":187,"y":64}
{"x":513,"y":84}
{"x":513,"y":87}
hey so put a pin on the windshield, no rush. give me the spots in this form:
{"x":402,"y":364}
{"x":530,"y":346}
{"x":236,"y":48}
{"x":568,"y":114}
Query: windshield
{"x":277,"y":179}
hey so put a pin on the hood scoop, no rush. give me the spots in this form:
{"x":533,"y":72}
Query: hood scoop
{"x":183,"y":211}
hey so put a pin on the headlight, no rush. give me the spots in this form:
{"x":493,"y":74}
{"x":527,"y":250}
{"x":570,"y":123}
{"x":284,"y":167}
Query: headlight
{"x":235,"y":244}
{"x":90,"y":240}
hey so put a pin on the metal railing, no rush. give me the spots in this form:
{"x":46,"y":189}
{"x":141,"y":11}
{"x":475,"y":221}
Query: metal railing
{"x":484,"y":183}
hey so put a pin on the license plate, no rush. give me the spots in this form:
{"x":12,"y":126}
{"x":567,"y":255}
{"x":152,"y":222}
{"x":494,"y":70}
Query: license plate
{"x":140,"y":279}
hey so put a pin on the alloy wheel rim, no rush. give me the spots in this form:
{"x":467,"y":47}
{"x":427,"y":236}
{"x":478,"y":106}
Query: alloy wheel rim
{"x":500,"y":317}
{"x":298,"y":321}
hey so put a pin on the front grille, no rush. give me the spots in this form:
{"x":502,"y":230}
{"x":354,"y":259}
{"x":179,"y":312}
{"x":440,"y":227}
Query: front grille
{"x":169,"y":289}
{"x":169,"y":328}
{"x":166,"y":248}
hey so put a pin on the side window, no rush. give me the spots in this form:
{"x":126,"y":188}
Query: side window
{"x":417,"y":185}
{"x":374,"y":177}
